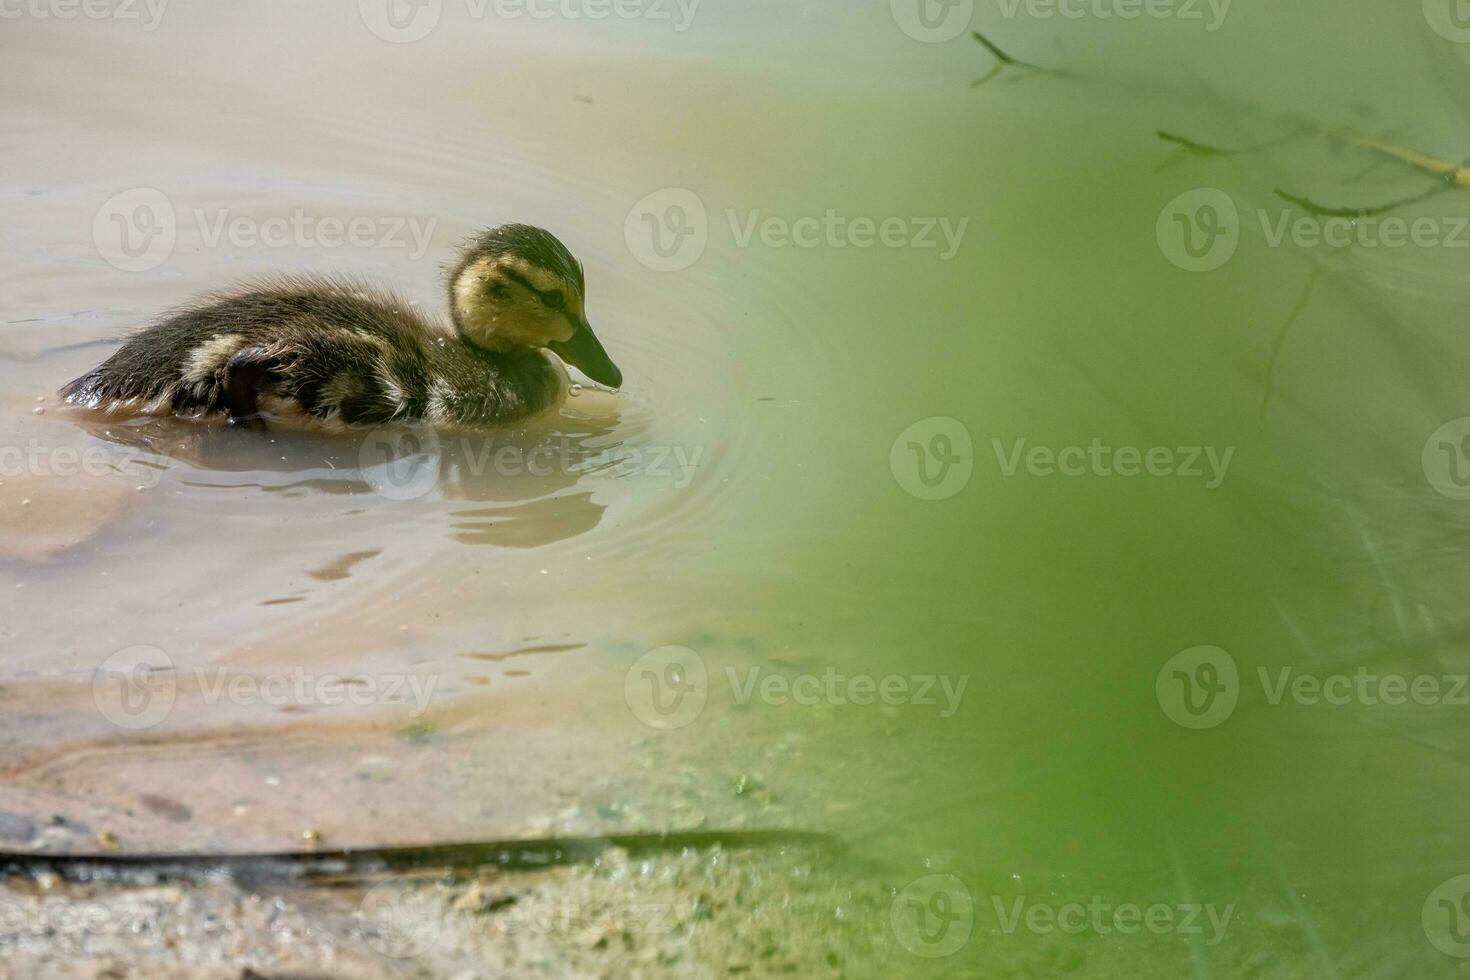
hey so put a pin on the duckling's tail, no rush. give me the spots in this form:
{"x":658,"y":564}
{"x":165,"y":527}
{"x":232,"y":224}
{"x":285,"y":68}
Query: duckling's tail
{"x":87,"y":390}
{"x":110,"y":387}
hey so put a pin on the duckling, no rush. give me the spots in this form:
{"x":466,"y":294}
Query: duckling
{"x":331,"y":353}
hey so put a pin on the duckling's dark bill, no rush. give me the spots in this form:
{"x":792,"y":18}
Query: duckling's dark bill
{"x":584,"y":352}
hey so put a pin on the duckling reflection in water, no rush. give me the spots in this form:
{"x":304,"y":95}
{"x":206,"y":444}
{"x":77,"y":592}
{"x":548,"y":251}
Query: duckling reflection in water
{"x":332,"y":354}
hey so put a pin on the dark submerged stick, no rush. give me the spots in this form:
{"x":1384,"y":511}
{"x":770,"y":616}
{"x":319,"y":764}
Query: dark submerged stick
{"x":1453,"y":175}
{"x":1004,"y":61}
{"x":517,"y":855}
{"x":1206,"y":150}
{"x":1322,"y":211}
{"x":1001,"y":56}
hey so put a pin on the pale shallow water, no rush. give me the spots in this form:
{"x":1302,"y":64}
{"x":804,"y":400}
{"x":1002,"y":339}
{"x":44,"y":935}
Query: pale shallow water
{"x":737,"y":497}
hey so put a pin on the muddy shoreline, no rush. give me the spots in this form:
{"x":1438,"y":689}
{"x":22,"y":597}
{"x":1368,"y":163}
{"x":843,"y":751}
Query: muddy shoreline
{"x":696,"y":912}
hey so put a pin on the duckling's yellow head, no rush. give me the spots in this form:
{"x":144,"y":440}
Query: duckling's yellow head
{"x":517,"y":286}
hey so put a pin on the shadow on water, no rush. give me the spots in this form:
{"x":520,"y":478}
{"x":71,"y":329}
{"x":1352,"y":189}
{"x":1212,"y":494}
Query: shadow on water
{"x":528,"y":486}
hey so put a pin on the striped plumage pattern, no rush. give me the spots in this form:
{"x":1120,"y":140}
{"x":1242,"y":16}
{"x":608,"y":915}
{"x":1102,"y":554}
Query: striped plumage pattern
{"x":339,"y":354}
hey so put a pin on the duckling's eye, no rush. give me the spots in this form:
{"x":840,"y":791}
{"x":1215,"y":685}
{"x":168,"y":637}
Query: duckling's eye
{"x":498,"y":290}
{"x":554,"y":300}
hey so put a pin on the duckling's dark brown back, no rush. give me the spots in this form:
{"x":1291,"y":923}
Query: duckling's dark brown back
{"x":178,"y":364}
{"x":331,"y":350}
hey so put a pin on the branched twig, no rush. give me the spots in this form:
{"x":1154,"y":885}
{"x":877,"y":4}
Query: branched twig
{"x":1322,"y":211}
{"x":1001,"y":56}
{"x":1452,"y":173}
{"x":1202,"y":149}
{"x":1004,"y":61}
{"x":1206,"y":150}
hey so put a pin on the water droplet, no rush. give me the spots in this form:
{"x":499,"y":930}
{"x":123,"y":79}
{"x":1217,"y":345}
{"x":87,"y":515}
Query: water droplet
{"x":575,"y":390}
